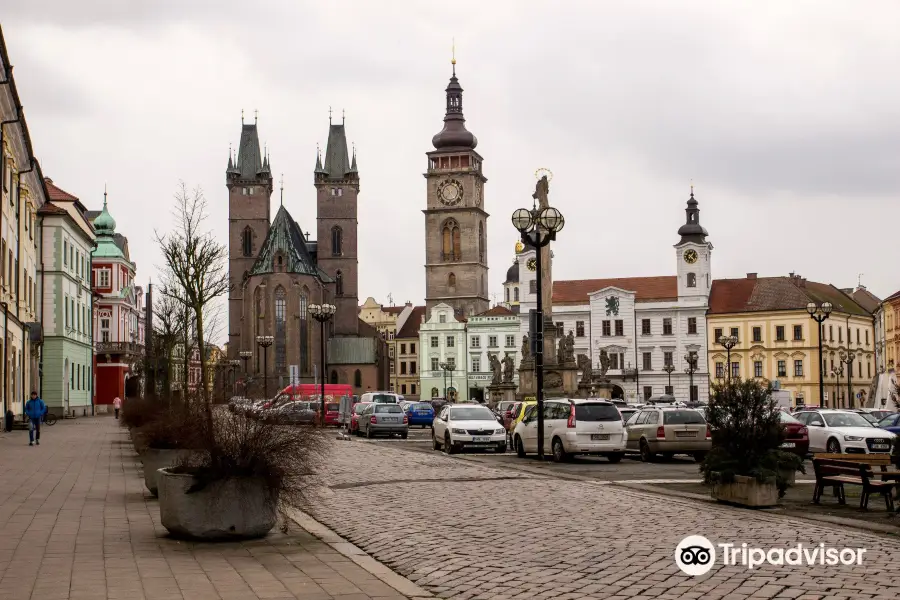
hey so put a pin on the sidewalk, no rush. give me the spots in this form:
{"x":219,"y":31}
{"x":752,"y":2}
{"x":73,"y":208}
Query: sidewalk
{"x":77,"y":523}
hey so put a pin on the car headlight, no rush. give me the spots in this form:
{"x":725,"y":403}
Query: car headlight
{"x":852,"y":438}
{"x":499,"y":431}
{"x":460,"y":431}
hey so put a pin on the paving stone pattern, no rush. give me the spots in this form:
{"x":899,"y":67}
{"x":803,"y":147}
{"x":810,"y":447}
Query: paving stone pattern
{"x":76,"y":523}
{"x":457,"y":531}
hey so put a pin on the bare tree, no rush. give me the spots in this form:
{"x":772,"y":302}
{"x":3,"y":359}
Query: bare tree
{"x":196,"y":269}
{"x":169,"y":325}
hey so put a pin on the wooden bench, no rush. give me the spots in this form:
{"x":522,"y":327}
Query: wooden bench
{"x":837,"y":472}
{"x":882,"y":460}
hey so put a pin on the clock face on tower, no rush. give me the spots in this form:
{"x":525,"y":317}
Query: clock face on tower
{"x":450,"y":192}
{"x":531,"y":264}
{"x":690,"y":256}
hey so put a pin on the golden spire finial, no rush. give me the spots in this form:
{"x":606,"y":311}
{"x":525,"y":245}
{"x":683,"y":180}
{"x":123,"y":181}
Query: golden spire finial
{"x":453,"y":53}
{"x":692,"y":186}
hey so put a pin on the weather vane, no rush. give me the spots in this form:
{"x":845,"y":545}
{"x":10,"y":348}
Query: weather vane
{"x":544,"y":173}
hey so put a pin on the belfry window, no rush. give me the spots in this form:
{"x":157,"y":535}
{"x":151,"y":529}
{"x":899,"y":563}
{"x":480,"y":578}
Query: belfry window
{"x":337,"y":240}
{"x":450,"y":241}
{"x":247,"y":242}
{"x":280,"y":346}
{"x":692,"y":280}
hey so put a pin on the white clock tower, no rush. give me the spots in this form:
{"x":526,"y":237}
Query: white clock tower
{"x":693,"y":254}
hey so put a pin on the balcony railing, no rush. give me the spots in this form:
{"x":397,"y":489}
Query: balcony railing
{"x":119,"y":348}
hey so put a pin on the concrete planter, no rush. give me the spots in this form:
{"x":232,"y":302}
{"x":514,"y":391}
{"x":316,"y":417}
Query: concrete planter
{"x":229,"y":509}
{"x":155,"y":459}
{"x":746,"y":491}
{"x":139,"y":441}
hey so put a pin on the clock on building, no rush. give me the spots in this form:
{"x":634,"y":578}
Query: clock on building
{"x":450,"y":192}
{"x":690,"y":256}
{"x":531,"y":264}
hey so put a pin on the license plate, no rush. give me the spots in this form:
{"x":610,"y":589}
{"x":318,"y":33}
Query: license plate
{"x":390,"y":419}
{"x":881,"y":446}
{"x":789,"y":445}
{"x":685,"y":434}
{"x":481,"y":439}
{"x":599,"y":436}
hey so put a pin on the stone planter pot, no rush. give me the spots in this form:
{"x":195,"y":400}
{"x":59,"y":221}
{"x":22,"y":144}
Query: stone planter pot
{"x":139,"y":441}
{"x":155,"y":459}
{"x":229,"y":509}
{"x":746,"y":491}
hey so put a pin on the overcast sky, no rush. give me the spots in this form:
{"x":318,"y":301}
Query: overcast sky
{"x":786,"y":116}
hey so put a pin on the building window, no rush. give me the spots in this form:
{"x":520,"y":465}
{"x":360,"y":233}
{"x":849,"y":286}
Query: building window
{"x":339,"y":284}
{"x":782,"y":368}
{"x":648,"y":392}
{"x":402,"y":348}
{"x":692,"y":280}
{"x":451,"y":341}
{"x":757,"y":335}
{"x":692,"y":325}
{"x":442,"y":318}
{"x":357,"y":378}
{"x":104,"y":330}
{"x":857,"y":336}
{"x":515,"y":294}
{"x":735,"y":370}
{"x":402,"y":367}
{"x":798,"y":333}
{"x":402,"y":388}
{"x":779,"y":333}
{"x":103,"y":278}
{"x":579,"y":328}
{"x":451,"y":363}
{"x":607,"y":331}
{"x":667,"y":358}
{"x":304,"y":332}
{"x":247,"y":242}
{"x":511,"y":341}
{"x":648,"y":361}
{"x":475,"y":341}
{"x":492,"y":341}
{"x":532,"y":286}
{"x":667,"y":326}
{"x":734,"y":333}
{"x":476,"y":364}
{"x":620,"y":327}
{"x":434,"y":342}
{"x":451,"y":280}
{"x":645,"y":326}
{"x":695,"y":393}
{"x":798,"y":368}
{"x":435,"y":364}
{"x":830,"y":333}
{"x":720,"y":370}
{"x":867,"y":337}
{"x":717,"y":333}
{"x":337,"y":241}
{"x":507,"y":294}
{"x":757,"y":368}
{"x":840,"y":335}
{"x":412,"y":367}
{"x":280,"y":337}
{"x":451,"y":247}
{"x":434,"y":392}
{"x":412,"y":389}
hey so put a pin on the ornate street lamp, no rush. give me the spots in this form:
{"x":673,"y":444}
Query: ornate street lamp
{"x":728,"y":342}
{"x":538,"y":227}
{"x":447,"y":368}
{"x":235,"y":363}
{"x":847,"y":358}
{"x":245,"y":356}
{"x":668,"y":368}
{"x":838,"y":373}
{"x":322,"y":313}
{"x":691,"y":359}
{"x":264,"y":341}
{"x":818,"y":313}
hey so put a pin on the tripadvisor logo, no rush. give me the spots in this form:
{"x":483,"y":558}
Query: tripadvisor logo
{"x":696,"y":555}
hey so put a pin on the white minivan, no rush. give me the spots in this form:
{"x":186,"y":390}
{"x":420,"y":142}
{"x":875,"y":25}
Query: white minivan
{"x":573,"y":426}
{"x":381,"y":397}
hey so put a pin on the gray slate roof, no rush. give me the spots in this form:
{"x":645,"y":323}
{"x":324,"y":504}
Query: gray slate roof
{"x":337,"y":159}
{"x":249,"y":161}
{"x":285,"y":236}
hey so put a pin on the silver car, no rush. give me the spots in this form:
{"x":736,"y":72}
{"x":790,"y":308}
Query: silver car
{"x":668,"y":431}
{"x":297,"y":412}
{"x":383,"y":419}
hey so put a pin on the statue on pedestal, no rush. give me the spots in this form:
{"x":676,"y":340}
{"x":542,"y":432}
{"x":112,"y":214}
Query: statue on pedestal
{"x":495,"y":369}
{"x":508,"y":368}
{"x":570,"y":347}
{"x":604,"y":363}
{"x":561,"y":351}
{"x":526,"y":348}
{"x":584,"y":365}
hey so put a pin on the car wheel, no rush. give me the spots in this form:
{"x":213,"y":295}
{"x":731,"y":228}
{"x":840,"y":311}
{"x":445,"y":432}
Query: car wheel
{"x":520,"y":449}
{"x":501,"y":448}
{"x":646,"y":455}
{"x":435,"y":445}
{"x":369,"y":433}
{"x":833,"y":447}
{"x":404,"y":435}
{"x":615,"y":458}
{"x":699,"y":456}
{"x":559,"y":453}
{"x":448,"y":447}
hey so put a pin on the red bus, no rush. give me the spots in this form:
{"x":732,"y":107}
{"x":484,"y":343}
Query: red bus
{"x":333,"y":394}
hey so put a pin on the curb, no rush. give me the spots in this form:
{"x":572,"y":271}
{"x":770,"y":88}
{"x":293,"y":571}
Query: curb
{"x":370,"y":565}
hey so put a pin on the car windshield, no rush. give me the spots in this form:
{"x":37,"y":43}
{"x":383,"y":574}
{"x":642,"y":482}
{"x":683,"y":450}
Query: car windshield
{"x":421,"y":406}
{"x":868,"y":417}
{"x":845,"y":420}
{"x":683,"y":417}
{"x":471,"y":413}
{"x":786,"y":418}
{"x":597,"y":412}
{"x":390,"y":408}
{"x":332,"y":407}
{"x":888,"y":421}
{"x":359,"y":407}
{"x":387,"y":398}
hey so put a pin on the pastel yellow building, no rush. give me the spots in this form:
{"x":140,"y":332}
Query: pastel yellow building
{"x":388,"y":321}
{"x":778,"y":340}
{"x":891,"y":308}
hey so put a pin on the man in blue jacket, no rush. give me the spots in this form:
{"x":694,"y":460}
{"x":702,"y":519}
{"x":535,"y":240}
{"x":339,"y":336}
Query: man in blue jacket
{"x":35,"y":409}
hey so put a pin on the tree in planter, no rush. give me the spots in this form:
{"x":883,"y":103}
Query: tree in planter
{"x":747,"y":434}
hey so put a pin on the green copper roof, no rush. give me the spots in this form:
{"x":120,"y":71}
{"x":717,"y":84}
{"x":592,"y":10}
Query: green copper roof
{"x":287,"y":241}
{"x":105,"y":228}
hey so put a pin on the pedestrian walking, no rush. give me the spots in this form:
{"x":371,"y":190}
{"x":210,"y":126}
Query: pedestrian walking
{"x":35,"y":409}
{"x":117,"y":405}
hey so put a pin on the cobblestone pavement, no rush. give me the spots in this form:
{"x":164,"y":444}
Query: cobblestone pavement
{"x":78,"y":524}
{"x":461,"y":529}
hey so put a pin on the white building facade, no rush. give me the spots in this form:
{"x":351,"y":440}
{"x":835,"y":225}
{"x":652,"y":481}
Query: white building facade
{"x":642,"y":323}
{"x":442,"y":355}
{"x":495,"y":332}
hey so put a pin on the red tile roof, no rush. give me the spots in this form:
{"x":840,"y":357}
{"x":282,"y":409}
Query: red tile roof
{"x":645,"y":288}
{"x":776,"y":293}
{"x":56,"y":193}
{"x":393,"y":310}
{"x":894,"y":296}
{"x":497,"y":311}
{"x":410,"y":329}
{"x":51,"y":209}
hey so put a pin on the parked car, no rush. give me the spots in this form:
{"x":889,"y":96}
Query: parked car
{"x":419,"y":413}
{"x":843,"y":431}
{"x":459,"y":426}
{"x":438,"y":403}
{"x":879,"y":413}
{"x":518,"y":414}
{"x":573,"y":426}
{"x":381,"y":397}
{"x":796,"y":435}
{"x":626,"y":412}
{"x":383,"y":419}
{"x":507,"y":417}
{"x":296,"y":412}
{"x":502,"y":408}
{"x":866,"y":415}
{"x":668,"y":431}
{"x":891,"y":423}
{"x":355,"y":415}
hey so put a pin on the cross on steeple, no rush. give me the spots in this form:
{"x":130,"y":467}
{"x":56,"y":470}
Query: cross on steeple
{"x":282,"y":189}
{"x":329,"y":115}
{"x":255,"y":115}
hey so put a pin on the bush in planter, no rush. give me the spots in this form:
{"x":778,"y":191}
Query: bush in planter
{"x":137,"y":412}
{"x":246,"y":473}
{"x":747,"y":434}
{"x":171,"y":436}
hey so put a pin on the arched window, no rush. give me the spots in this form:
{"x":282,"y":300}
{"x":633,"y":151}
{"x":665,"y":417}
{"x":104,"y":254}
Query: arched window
{"x":339,"y":284}
{"x":516,"y":294}
{"x":337,"y":241}
{"x":450,"y":241}
{"x":481,"y":241}
{"x":507,"y":294}
{"x":451,"y":281}
{"x":304,"y":330}
{"x":357,"y":378}
{"x":692,"y":280}
{"x":334,"y":378}
{"x":434,"y":392}
{"x":247,"y":242}
{"x":280,"y":333}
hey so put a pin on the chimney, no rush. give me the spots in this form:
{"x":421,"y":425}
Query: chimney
{"x":751,"y":275}
{"x":803,"y":282}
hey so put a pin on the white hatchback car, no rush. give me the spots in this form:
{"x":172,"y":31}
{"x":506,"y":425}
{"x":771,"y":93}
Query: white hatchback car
{"x":573,"y":426}
{"x":843,"y":432}
{"x":459,"y":426}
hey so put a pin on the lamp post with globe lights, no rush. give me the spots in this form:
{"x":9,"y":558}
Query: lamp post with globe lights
{"x":847,"y":358}
{"x":668,"y":369}
{"x":264,"y":341}
{"x":245,"y":356}
{"x":322,"y":313}
{"x":691,"y":359}
{"x":538,"y":227}
{"x":818,"y":313}
{"x":728,"y":342}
